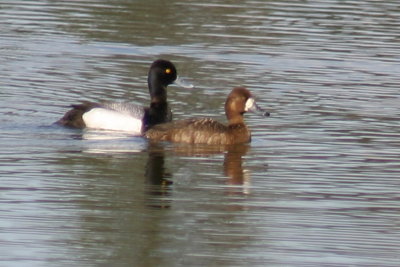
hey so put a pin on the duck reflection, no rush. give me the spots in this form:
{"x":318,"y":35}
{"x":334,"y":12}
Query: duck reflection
{"x":155,"y":170}
{"x":233,"y":165}
{"x":157,"y":180}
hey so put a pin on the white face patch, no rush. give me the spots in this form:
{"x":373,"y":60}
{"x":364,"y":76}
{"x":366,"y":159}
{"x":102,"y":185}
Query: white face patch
{"x":249,"y":104}
{"x":105,"y":119}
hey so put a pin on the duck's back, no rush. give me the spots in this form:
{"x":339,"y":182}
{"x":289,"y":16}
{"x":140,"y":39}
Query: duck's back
{"x":199,"y":131}
{"x":107,"y":115}
{"x":129,"y":109}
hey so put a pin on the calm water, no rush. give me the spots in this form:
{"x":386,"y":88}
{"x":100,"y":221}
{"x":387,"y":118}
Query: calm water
{"x":318,"y":185}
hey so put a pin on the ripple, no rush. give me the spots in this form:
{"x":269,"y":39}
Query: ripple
{"x":316,"y":186}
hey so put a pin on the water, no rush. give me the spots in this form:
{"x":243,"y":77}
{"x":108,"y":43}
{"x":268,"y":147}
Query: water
{"x":317,"y":186}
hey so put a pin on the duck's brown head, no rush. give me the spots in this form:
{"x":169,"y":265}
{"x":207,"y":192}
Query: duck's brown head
{"x":240,"y":101}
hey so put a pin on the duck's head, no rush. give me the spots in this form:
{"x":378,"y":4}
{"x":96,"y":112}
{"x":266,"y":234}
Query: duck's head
{"x":161,"y":74}
{"x":240,"y":101}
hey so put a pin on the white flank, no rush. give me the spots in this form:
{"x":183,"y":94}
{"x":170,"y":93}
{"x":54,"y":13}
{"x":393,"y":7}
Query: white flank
{"x":105,"y":119}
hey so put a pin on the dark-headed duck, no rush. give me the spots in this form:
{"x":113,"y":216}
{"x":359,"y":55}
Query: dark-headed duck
{"x":209,"y":131}
{"x":123,"y":116}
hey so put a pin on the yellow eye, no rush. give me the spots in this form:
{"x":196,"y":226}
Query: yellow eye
{"x":168,"y":71}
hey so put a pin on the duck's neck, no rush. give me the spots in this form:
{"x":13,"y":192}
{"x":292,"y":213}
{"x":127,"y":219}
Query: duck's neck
{"x":236,"y":120}
{"x":158,"y":112}
{"x":158,"y":91}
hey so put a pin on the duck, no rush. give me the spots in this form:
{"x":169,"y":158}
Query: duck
{"x":124,"y":116}
{"x":209,"y":131}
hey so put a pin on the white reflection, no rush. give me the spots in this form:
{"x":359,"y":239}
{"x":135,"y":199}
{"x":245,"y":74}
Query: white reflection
{"x":103,"y":142}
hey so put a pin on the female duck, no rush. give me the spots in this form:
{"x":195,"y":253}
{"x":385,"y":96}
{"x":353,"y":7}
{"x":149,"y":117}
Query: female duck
{"x":122,"y":116}
{"x":209,"y":131}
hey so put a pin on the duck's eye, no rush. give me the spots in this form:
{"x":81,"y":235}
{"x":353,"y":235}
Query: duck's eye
{"x":168,"y":71}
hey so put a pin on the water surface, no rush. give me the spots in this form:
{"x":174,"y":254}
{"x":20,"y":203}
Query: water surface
{"x":317,"y":186}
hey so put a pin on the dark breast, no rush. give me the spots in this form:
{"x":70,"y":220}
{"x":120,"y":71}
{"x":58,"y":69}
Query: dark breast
{"x":199,"y":131}
{"x":157,"y":113}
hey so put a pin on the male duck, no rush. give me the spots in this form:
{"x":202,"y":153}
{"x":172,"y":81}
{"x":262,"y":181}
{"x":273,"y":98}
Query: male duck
{"x":122,"y":116}
{"x":209,"y":131}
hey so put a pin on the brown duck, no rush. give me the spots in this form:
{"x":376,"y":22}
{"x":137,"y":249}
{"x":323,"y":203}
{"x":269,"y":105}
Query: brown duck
{"x":209,"y":131}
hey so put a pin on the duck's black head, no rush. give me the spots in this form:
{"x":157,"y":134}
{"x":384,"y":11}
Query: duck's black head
{"x":161,"y":74}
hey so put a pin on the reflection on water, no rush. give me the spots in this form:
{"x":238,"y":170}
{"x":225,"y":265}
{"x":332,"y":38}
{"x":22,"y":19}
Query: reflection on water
{"x":318,"y":185}
{"x":233,"y":165}
{"x":158,"y":180}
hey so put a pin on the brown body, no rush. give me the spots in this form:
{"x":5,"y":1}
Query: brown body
{"x":209,"y":131}
{"x":200,"y":131}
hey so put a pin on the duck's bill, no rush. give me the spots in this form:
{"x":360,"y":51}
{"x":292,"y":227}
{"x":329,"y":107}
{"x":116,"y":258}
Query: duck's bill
{"x":182,"y":83}
{"x":251,"y":106}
